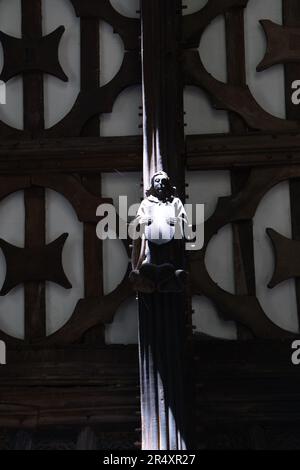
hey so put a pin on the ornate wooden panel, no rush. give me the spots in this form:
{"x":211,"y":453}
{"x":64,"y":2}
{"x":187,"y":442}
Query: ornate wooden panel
{"x":256,"y":149}
{"x":235,"y":388}
{"x":32,"y":56}
{"x":67,"y":158}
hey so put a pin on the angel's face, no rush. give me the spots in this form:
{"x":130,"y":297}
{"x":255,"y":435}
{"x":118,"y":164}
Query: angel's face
{"x":160,"y":184}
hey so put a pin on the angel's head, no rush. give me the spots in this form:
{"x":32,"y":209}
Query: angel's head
{"x":161,"y":186}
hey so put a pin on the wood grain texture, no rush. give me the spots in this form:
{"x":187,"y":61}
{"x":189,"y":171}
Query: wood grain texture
{"x":162,"y":316}
{"x":33,"y":110}
{"x":243,"y":251}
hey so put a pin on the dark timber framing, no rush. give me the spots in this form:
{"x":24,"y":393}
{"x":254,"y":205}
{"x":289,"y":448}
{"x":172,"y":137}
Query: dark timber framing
{"x":291,"y":17}
{"x":38,"y":385}
{"x":33,"y":110}
{"x":244,"y":394}
{"x":162,"y":316}
{"x":242,"y":232}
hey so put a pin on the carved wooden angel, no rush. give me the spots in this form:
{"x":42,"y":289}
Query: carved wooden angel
{"x":158,"y":253}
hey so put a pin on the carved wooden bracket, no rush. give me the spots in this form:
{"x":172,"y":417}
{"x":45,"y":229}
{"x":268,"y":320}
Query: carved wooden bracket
{"x":283,"y":46}
{"x":244,"y":309}
{"x":100,"y":100}
{"x":233,"y":98}
{"x":30,"y":54}
{"x":127,"y":28}
{"x":44,"y":263}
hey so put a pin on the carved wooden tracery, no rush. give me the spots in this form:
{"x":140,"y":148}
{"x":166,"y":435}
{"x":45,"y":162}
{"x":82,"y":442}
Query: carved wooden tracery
{"x":235,"y":96}
{"x":34,"y":55}
{"x":260,"y":151}
{"x":72,"y":167}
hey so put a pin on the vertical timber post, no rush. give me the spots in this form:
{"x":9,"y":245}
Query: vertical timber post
{"x":34,"y":198}
{"x":162,"y":90}
{"x":162,"y":324}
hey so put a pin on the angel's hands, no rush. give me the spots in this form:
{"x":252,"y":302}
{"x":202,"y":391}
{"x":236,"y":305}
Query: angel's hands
{"x":172,"y":220}
{"x":145,"y":220}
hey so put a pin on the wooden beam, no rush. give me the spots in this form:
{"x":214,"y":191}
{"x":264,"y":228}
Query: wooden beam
{"x":243,"y":151}
{"x":80,"y":155}
{"x":162,"y":92}
{"x":90,"y":79}
{"x":162,"y":316}
{"x":243,"y":253}
{"x":33,"y":99}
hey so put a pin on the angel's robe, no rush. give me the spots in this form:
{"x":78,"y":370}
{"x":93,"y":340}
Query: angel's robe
{"x":159,"y":232}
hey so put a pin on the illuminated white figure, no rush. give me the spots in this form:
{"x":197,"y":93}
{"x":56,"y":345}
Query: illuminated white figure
{"x":163,"y":217}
